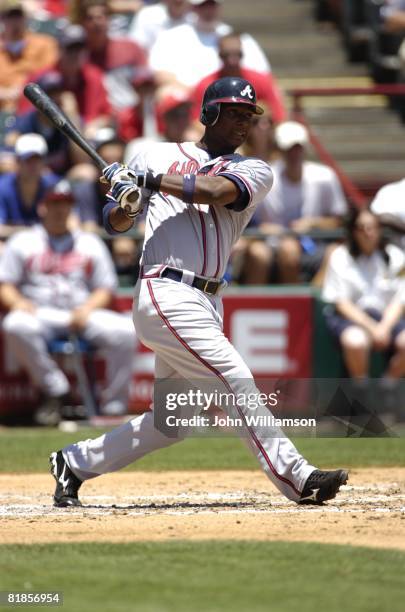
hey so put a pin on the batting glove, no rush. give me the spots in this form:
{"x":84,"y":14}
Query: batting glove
{"x":128,"y":197}
{"x":120,"y":172}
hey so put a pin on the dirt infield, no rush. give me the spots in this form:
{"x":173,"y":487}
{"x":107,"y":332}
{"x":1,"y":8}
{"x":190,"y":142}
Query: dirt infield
{"x":137,"y":506}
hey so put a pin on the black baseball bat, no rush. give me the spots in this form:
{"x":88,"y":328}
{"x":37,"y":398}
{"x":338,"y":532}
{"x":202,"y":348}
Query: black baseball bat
{"x":43,"y":102}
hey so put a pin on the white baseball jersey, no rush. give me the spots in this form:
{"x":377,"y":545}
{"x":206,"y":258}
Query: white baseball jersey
{"x":197,"y":237}
{"x":369,"y":282}
{"x":59,"y":272}
{"x":57,"y":275}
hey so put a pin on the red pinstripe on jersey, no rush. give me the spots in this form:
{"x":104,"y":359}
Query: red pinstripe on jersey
{"x":218,"y":374}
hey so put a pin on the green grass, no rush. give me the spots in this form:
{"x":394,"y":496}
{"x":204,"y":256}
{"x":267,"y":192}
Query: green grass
{"x":27,"y":450}
{"x":211,"y":576}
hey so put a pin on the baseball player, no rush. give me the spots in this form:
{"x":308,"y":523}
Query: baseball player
{"x":199,"y":198}
{"x":54,"y":281}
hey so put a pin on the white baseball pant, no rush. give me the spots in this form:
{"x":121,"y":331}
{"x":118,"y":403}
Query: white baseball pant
{"x":27,"y":335}
{"x":183,"y":326}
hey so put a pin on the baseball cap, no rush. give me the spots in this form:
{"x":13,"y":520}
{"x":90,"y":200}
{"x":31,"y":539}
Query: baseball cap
{"x":50,"y":81}
{"x":71,"y":36}
{"x":29,"y":145}
{"x":61,"y":192}
{"x":290,"y":133}
{"x":170,"y":98}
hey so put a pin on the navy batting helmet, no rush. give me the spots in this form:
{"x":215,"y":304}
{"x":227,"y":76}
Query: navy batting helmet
{"x":228,"y":90}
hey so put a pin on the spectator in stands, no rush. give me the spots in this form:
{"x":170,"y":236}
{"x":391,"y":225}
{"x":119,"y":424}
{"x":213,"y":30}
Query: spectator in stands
{"x":151,"y":20}
{"x":54,"y":281}
{"x":45,"y":9}
{"x":393,"y":14}
{"x":389,"y":205}
{"x":115,"y":7}
{"x":305,"y":196}
{"x":172,"y":110}
{"x":21,"y":52}
{"x":140,"y":119}
{"x":82,"y":79}
{"x":189,"y":52}
{"x":365,"y":283}
{"x":21,"y":191}
{"x":231,"y":55}
{"x":62,"y":153}
{"x":117,"y":57}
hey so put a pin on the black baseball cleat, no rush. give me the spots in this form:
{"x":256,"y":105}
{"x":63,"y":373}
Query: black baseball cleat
{"x":321,"y":486}
{"x":67,"y":484}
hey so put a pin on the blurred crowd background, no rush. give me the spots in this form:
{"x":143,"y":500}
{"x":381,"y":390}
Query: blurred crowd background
{"x":131,"y":72}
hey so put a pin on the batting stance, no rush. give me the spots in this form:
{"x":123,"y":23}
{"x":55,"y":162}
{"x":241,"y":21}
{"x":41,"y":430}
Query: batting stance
{"x":199,"y":197}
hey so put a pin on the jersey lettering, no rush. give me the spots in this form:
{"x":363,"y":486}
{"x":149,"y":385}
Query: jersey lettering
{"x":50,"y":262}
{"x":188,"y":167}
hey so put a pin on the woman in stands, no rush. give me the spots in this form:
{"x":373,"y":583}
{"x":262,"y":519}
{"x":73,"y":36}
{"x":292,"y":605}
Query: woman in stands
{"x":365,"y":281}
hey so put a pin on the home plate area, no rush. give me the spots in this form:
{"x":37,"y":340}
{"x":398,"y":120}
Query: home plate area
{"x":370,"y":510}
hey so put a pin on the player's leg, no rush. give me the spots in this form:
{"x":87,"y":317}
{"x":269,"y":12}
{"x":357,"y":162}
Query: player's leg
{"x":191,"y":338}
{"x":26,"y":336}
{"x":356,"y":346}
{"x":114,"y":335}
{"x":123,"y":445}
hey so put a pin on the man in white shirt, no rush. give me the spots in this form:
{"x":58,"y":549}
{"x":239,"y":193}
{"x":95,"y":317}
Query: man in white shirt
{"x":306,"y":196}
{"x":189,"y":52}
{"x":149,"y":21}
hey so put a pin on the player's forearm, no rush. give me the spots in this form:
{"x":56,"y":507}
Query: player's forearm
{"x":395,"y":22}
{"x":392,"y":314}
{"x":353,"y":313}
{"x":7,"y":230}
{"x":99,"y":298}
{"x":115,"y":219}
{"x":10,"y":296}
{"x":214,"y":190}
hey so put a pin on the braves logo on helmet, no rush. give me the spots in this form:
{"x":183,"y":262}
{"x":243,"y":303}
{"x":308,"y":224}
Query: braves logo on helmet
{"x":248,"y":91}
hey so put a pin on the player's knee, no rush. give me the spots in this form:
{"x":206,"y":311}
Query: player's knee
{"x":400,"y":342}
{"x":289,"y":251}
{"x":355,"y":338}
{"x":18,"y":323}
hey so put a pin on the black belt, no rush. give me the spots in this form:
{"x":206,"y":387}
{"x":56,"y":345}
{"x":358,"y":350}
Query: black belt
{"x":199,"y":282}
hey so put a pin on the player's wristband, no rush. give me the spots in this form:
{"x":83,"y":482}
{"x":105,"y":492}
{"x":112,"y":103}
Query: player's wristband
{"x":150,"y":181}
{"x":188,"y":188}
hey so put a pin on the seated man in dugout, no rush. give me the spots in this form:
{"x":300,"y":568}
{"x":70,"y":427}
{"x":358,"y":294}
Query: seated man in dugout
{"x":306,"y":196}
{"x":55,"y":282}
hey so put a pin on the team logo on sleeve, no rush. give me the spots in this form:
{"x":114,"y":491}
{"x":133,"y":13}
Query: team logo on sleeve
{"x":247,"y":92}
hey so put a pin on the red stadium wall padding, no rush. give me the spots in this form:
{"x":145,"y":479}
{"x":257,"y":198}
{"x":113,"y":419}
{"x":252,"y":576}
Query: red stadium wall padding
{"x":272,"y":333}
